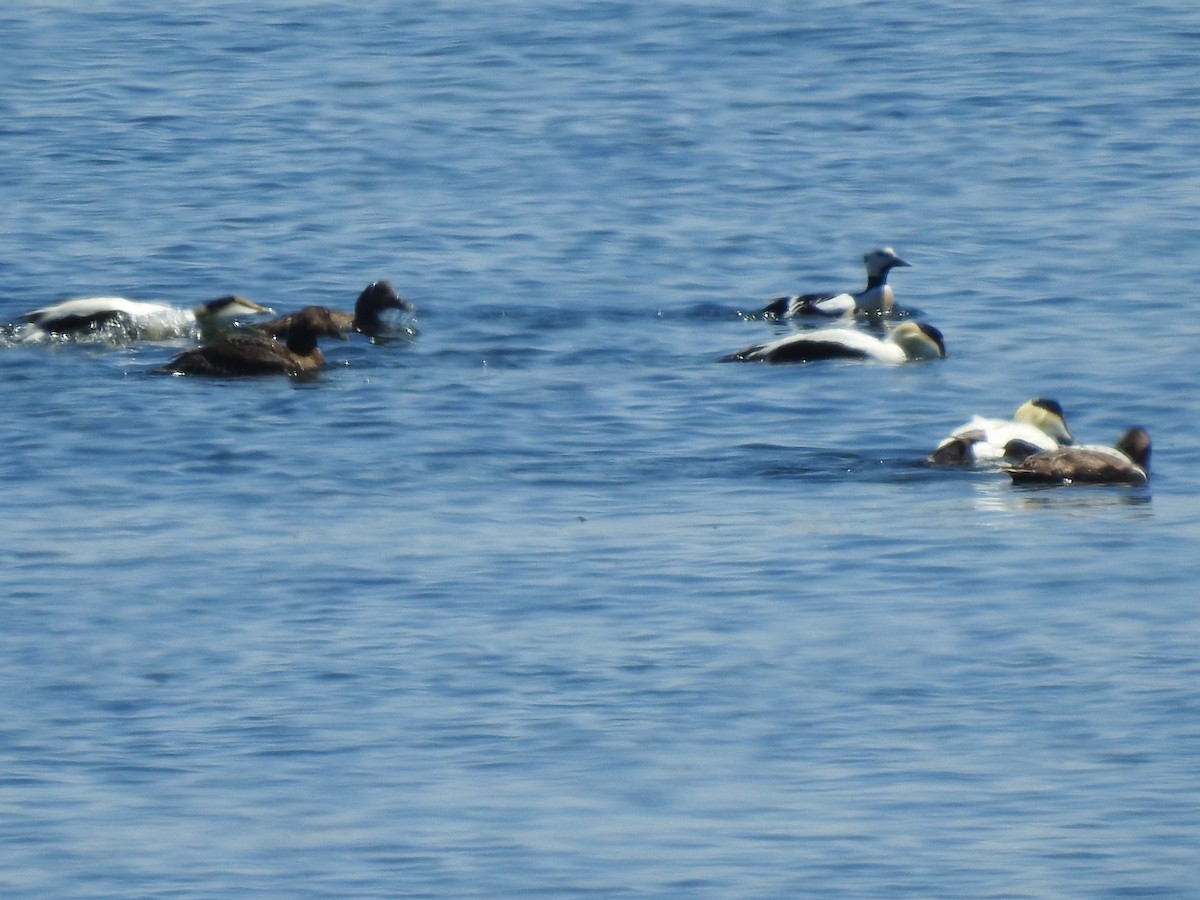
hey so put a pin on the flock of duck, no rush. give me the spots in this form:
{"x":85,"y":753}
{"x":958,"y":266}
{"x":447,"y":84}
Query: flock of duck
{"x":1034,"y":446}
{"x":232,"y":347}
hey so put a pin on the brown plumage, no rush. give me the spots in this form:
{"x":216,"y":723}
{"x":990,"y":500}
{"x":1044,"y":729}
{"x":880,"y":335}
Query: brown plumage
{"x":375,"y":298}
{"x":299,"y":355}
{"x":1127,"y":463}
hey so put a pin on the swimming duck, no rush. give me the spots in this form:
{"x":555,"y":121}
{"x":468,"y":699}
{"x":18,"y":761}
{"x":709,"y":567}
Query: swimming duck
{"x":375,"y":298}
{"x":876,"y":299}
{"x":148,"y":321}
{"x":1038,"y":424}
{"x":907,"y":341}
{"x":1127,"y":463}
{"x":262,"y":355}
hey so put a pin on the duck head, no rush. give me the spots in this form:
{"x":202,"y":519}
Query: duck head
{"x":1047,"y":416}
{"x":378,"y":296}
{"x":230,"y":307}
{"x":880,"y":261}
{"x":919,"y":340}
{"x":1135,"y":443}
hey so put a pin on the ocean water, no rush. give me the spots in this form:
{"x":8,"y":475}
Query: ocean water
{"x":544,"y":601}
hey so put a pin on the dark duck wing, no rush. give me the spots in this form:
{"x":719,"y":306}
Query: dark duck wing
{"x":830,"y":304}
{"x":279,"y":327}
{"x":239,"y":356}
{"x":804,"y":348}
{"x":1127,"y":463}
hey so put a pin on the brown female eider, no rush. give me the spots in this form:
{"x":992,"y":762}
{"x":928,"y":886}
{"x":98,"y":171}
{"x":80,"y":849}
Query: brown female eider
{"x":375,"y":298}
{"x":299,"y":355}
{"x":1127,"y":463}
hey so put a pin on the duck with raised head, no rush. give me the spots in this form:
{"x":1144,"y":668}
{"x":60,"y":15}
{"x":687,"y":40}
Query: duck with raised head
{"x":1128,"y":463}
{"x":367,"y":318}
{"x":1038,"y":424}
{"x":233,"y":356}
{"x":906,"y":342}
{"x":143,"y":320}
{"x":876,"y":299}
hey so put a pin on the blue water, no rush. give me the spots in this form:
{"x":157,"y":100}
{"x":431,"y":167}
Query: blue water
{"x":545,"y":602}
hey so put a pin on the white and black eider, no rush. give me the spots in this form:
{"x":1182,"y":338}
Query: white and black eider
{"x":876,"y":299}
{"x":147,"y":321}
{"x":1038,"y":424}
{"x":906,"y":342}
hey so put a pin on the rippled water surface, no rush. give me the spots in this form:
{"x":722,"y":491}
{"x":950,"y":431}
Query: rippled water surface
{"x":544,"y":601}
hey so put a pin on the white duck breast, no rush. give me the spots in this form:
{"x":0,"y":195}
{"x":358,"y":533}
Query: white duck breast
{"x":906,"y":342}
{"x":1038,"y":424}
{"x":877,"y":298}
